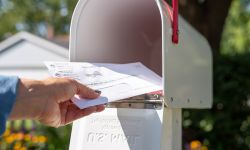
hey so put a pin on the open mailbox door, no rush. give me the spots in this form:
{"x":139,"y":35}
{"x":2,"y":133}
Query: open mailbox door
{"x":125,"y":31}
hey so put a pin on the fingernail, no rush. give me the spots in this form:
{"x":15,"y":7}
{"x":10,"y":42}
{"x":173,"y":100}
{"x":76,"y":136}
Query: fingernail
{"x":97,"y":91}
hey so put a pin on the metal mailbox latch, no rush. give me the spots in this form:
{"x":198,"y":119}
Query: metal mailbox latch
{"x":146,"y":101}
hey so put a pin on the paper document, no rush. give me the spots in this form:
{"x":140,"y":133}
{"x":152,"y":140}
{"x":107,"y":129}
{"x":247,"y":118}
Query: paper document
{"x":115,"y":81}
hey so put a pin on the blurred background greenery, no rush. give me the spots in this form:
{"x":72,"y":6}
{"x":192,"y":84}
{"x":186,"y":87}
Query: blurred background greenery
{"x":226,"y":25}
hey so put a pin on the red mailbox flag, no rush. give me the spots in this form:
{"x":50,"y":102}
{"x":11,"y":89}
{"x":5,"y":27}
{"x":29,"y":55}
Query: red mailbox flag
{"x":174,"y":19}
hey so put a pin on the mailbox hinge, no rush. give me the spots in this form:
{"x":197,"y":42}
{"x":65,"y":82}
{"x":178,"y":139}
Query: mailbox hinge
{"x":147,"y":101}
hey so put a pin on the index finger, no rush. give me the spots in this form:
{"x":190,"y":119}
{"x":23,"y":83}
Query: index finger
{"x":86,"y":92}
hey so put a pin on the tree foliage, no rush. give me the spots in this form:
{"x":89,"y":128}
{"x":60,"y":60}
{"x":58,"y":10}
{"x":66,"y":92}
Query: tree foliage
{"x":236,"y":37}
{"x":35,"y":16}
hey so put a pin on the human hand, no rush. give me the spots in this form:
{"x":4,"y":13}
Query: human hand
{"x":49,"y":101}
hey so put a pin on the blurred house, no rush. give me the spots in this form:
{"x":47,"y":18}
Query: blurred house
{"x":24,"y":54}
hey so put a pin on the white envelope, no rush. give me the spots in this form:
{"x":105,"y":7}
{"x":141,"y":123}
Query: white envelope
{"x":115,"y":81}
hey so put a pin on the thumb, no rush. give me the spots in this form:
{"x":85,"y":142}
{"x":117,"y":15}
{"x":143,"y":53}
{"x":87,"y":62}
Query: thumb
{"x":85,"y":92}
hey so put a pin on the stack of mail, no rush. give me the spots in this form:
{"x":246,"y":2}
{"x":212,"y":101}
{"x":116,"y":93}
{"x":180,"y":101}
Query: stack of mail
{"x":115,"y":81}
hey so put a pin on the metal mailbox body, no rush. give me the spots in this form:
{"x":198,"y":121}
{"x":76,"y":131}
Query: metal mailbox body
{"x":125,"y":31}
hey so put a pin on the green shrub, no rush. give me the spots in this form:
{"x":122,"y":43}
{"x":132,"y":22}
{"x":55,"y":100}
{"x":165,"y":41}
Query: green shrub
{"x":227,"y":125}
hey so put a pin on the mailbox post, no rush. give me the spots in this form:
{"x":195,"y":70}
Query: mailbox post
{"x":125,"y":31}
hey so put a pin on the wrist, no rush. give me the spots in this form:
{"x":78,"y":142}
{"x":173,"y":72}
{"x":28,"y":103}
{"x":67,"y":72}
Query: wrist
{"x":27,"y":104}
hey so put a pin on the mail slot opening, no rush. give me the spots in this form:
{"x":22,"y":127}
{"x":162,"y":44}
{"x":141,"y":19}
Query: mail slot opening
{"x":120,"y":31}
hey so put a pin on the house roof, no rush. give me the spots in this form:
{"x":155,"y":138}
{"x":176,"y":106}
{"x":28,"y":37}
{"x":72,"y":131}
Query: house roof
{"x":25,"y":36}
{"x":28,"y":51}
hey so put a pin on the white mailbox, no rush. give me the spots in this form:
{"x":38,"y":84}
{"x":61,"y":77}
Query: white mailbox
{"x":125,"y":31}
